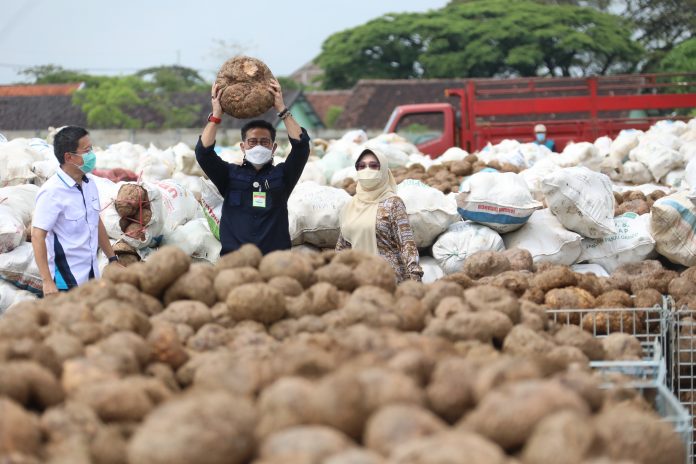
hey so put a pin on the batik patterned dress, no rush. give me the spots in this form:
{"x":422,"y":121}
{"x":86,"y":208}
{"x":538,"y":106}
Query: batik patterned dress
{"x":395,"y":242}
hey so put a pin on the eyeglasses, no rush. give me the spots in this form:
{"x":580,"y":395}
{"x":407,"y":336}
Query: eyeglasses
{"x":263,"y":142}
{"x":87,"y":150}
{"x":362,"y":165}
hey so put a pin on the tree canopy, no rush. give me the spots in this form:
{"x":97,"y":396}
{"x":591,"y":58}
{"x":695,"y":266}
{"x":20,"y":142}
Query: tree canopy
{"x":115,"y":101}
{"x":482,"y":38}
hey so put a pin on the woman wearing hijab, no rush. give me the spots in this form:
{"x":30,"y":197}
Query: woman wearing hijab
{"x":375,"y":221}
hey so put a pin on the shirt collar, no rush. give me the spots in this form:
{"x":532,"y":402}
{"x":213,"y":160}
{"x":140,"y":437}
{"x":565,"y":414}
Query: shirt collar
{"x":67,"y":179}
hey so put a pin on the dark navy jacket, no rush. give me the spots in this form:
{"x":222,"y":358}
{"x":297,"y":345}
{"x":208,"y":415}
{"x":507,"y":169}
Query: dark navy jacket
{"x":241,"y":222}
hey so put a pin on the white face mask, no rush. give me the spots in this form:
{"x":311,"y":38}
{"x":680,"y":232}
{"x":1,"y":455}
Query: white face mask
{"x":259,"y":155}
{"x":369,"y":179}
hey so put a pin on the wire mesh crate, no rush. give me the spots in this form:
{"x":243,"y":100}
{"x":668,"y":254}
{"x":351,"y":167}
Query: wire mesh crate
{"x":652,"y":368}
{"x":682,"y":358}
{"x":648,"y":325}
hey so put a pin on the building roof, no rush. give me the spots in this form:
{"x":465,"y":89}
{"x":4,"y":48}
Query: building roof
{"x":37,"y":90}
{"x":372,"y":101}
{"x":325,"y":99}
{"x":40,"y":112}
{"x":307,"y":74}
{"x":31,"y":113}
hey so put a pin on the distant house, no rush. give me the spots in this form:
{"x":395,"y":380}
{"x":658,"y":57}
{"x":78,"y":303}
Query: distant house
{"x":323,"y":100}
{"x":36,"y":107}
{"x":372,"y":101}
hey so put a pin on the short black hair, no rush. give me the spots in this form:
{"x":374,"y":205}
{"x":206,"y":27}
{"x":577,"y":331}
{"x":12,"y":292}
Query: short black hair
{"x":67,"y":140}
{"x":258,"y":124}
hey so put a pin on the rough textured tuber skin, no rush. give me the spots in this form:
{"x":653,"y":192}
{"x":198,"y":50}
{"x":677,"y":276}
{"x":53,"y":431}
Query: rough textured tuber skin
{"x":196,"y":284}
{"x":166,"y":346}
{"x":619,"y":427}
{"x":490,"y":298}
{"x":572,"y":335}
{"x":129,"y":399}
{"x":450,"y":392}
{"x":130,"y":198}
{"x":248,"y":255}
{"x":554,"y":277}
{"x":514,"y":281}
{"x":355,"y":456}
{"x":622,"y":347}
{"x":647,"y":298}
{"x":569,"y":298}
{"x":206,"y":428}
{"x":520,"y":259}
{"x":449,"y":447}
{"x":485,"y":263}
{"x":311,"y":443}
{"x":337,"y":274}
{"x":227,"y":279}
{"x":257,"y":302}
{"x":395,"y":424}
{"x":19,"y":430}
{"x":162,"y":268}
{"x":286,"y":263}
{"x":286,"y":285}
{"x":614,"y":299}
{"x":508,"y":415}
{"x":287,"y":402}
{"x":566,"y":436}
{"x":244,"y":82}
{"x":192,"y":313}
{"x":29,"y":383}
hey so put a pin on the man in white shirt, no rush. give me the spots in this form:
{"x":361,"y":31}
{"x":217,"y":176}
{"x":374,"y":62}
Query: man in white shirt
{"x":66,"y":228}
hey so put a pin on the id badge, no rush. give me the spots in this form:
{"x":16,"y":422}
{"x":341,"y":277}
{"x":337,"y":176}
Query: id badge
{"x":258,"y":200}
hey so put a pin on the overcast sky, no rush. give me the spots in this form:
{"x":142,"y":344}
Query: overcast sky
{"x":120,"y":37}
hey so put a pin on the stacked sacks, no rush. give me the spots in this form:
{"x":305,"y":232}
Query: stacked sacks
{"x":16,"y":207}
{"x":430,"y":212}
{"x":500,"y":201}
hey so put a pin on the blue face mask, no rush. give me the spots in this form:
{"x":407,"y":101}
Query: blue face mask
{"x":540,"y":137}
{"x":89,"y":162}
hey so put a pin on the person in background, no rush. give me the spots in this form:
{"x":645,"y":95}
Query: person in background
{"x":255,"y":206}
{"x":66,"y":228}
{"x":540,"y":137}
{"x":375,"y":220}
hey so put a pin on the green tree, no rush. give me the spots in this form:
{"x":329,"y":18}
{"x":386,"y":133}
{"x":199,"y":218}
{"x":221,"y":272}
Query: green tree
{"x":108,"y":103}
{"x":332,"y":115}
{"x":481,"y":38}
{"x":173,"y":79}
{"x":682,"y":58}
{"x":660,"y":25}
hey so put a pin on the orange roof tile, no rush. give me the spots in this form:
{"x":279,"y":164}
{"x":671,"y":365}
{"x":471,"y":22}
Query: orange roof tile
{"x":37,"y":90}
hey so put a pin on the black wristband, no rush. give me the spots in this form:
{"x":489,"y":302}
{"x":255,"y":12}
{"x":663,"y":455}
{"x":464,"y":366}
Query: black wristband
{"x":113,"y":259}
{"x":282,"y":113}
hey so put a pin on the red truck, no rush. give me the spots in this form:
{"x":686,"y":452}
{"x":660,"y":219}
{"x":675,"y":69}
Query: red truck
{"x":572,"y":109}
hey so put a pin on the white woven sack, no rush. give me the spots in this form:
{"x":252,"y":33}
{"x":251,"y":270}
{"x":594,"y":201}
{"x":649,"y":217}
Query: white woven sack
{"x":632,"y":243}
{"x":501,"y":201}
{"x":546,"y":239}
{"x":429,"y":210}
{"x":461,"y":240}
{"x":673,"y":226}
{"x":314,"y":214}
{"x":582,"y":200}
